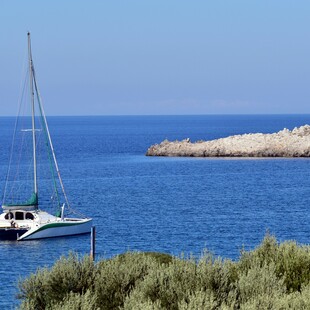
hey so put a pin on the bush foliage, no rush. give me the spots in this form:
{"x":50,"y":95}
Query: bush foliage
{"x":272,"y":276}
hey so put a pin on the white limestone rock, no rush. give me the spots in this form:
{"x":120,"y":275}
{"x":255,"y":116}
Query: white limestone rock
{"x":285,"y":143}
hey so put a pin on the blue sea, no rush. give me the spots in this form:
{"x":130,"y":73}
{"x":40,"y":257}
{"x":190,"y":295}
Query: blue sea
{"x":171,"y":205}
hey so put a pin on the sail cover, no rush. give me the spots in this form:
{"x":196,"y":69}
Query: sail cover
{"x":32,"y":201}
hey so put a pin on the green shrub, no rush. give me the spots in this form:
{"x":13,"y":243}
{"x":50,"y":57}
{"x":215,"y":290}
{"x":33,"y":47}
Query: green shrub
{"x":198,"y":300}
{"x":297,"y":300}
{"x":135,"y":302}
{"x":49,"y":286}
{"x":75,"y":301}
{"x":272,"y":276}
{"x":117,"y":277}
{"x":264,"y":254}
{"x":219,"y":277}
{"x":258,"y":282}
{"x":292,"y":262}
{"x":160,"y":258}
{"x":166,"y":285}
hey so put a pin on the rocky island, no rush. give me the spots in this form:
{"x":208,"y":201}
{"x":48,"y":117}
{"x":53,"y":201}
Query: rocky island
{"x":285,"y":143}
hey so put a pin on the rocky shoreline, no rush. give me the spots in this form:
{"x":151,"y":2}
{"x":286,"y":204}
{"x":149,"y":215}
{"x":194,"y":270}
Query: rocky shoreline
{"x":285,"y":143}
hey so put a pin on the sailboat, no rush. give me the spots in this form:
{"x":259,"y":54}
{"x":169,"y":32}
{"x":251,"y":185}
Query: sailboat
{"x":25,"y":218}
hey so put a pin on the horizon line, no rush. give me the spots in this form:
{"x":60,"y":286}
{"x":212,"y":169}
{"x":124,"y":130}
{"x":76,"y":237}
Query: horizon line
{"x":142,"y":115}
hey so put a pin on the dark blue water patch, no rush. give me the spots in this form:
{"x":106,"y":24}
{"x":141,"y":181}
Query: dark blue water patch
{"x":172,"y":199}
{"x":171,"y":205}
{"x":96,"y":136}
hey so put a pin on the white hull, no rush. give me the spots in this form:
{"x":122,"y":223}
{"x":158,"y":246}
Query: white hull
{"x":28,"y":225}
{"x":58,"y":229}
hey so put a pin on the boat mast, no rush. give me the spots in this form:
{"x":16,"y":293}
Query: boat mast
{"x":32,"y":117}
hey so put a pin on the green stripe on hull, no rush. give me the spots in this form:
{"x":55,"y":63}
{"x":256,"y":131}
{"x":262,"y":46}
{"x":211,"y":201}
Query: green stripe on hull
{"x":55,"y":225}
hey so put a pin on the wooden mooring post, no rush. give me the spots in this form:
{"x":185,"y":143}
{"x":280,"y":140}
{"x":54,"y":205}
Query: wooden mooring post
{"x":92,"y":243}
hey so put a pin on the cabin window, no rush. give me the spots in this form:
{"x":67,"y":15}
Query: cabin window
{"x":19,"y":215}
{"x":9,"y":216}
{"x":29,"y":216}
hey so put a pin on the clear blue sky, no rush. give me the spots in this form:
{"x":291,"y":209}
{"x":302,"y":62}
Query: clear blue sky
{"x":159,"y":56}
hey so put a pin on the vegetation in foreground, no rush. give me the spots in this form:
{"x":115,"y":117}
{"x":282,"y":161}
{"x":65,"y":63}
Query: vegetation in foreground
{"x":273,"y":276}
